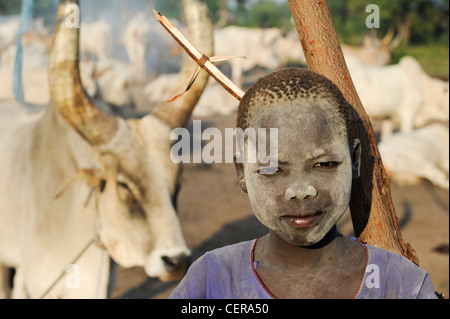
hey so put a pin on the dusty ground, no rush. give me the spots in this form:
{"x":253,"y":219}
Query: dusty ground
{"x":214,"y":212}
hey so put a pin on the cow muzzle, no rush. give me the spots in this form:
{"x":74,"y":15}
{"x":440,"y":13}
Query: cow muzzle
{"x":168,"y":266}
{"x":176,"y":266}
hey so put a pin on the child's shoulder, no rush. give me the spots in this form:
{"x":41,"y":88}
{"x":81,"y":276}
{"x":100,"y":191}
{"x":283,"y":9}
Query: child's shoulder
{"x":386,"y":258}
{"x":224,"y":272}
{"x":391,"y":275}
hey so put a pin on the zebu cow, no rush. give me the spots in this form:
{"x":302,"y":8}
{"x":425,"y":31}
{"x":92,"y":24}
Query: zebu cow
{"x":95,"y":39}
{"x":73,"y":173}
{"x":256,"y":45}
{"x":398,"y":93}
{"x":289,"y":48}
{"x":373,"y":51}
{"x":109,"y":79}
{"x":9,"y":28}
{"x":135,"y":39}
{"x":421,"y":153}
{"x":164,"y":57}
{"x":269,"y":48}
{"x":161,"y":88}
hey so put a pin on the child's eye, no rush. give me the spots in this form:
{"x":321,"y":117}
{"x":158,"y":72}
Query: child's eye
{"x":327,"y":164}
{"x":268,"y":170}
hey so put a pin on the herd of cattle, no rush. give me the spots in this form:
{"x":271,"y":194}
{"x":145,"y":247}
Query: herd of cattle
{"x":113,"y":177}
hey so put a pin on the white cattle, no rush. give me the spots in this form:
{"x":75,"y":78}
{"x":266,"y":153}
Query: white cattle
{"x":289,"y":48}
{"x":271,"y":49}
{"x":160,"y":89}
{"x":35,"y":84}
{"x":135,"y":38}
{"x":160,"y":58}
{"x":35,"y":45}
{"x":74,"y":174}
{"x":257,"y":46}
{"x":166,"y":56}
{"x":109,"y":80}
{"x":398,"y":93}
{"x":419,"y":154}
{"x":95,"y":39}
{"x":34,"y":57}
{"x":8,"y":32}
{"x":373,"y":51}
{"x":436,"y":106}
{"x":215,"y":100}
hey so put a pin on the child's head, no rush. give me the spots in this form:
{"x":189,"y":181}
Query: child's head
{"x":317,"y":155}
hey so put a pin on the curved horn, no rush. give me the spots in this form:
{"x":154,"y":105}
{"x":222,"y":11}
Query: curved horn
{"x":397,"y":40}
{"x":66,"y":91}
{"x":388,"y":37}
{"x":177,"y":113}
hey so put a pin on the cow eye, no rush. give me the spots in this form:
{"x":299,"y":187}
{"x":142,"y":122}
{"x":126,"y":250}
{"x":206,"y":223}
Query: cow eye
{"x":126,"y":192}
{"x":102,"y":185}
{"x":125,"y":186}
{"x":129,"y":198}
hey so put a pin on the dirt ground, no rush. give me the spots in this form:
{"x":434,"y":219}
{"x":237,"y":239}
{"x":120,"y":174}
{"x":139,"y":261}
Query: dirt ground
{"x":214,"y":212}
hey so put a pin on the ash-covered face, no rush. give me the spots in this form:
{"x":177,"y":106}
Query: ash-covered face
{"x":310,"y":189}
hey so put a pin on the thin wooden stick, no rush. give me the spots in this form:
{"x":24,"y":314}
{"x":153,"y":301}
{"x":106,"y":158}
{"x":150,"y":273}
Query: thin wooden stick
{"x":202,"y":60}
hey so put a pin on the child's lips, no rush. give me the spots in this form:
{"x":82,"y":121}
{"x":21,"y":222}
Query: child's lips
{"x":303,"y":221}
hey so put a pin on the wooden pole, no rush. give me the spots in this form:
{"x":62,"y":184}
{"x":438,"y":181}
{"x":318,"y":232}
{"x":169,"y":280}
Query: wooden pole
{"x":372,"y":211}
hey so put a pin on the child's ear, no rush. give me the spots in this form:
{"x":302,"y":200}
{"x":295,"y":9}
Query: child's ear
{"x":240,"y":174}
{"x":355,"y":151}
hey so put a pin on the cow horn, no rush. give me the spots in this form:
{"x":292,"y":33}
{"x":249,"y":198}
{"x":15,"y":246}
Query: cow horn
{"x":177,"y":113}
{"x":67,"y":93}
{"x":388,"y":37}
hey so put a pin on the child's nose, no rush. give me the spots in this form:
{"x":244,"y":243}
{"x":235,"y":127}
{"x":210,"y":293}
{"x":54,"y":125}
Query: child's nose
{"x":300,"y":192}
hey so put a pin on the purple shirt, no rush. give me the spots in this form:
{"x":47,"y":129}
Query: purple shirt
{"x":230,"y":273}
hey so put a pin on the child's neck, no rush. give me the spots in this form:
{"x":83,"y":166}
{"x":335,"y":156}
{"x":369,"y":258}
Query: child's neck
{"x":277,"y":249}
{"x":332,"y":268}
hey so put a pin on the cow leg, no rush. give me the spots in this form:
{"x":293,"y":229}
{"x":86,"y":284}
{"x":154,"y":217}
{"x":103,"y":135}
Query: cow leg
{"x":387,"y":128}
{"x":434,"y":175}
{"x":5,"y":287}
{"x":237,"y":71}
{"x":19,"y":291}
{"x":444,"y":164}
{"x":407,"y":121}
{"x":421,"y":170}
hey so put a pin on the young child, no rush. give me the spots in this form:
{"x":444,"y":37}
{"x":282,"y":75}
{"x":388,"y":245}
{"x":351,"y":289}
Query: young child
{"x":300,"y":201}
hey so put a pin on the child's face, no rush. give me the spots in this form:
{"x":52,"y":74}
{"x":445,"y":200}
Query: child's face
{"x":310,"y":191}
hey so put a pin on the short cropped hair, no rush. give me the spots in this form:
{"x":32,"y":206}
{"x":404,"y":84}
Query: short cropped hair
{"x":292,"y":84}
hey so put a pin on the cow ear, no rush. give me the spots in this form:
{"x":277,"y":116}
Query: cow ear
{"x":102,"y":185}
{"x":92,"y":176}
